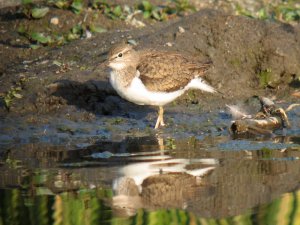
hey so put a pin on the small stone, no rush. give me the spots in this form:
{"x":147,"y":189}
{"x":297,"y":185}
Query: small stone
{"x":181,"y":30}
{"x":54,"y":21}
{"x":132,"y":41}
{"x":169,"y":44}
{"x":88,"y":34}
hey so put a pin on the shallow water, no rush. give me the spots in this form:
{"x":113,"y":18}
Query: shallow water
{"x":152,"y":180}
{"x":117,"y":170}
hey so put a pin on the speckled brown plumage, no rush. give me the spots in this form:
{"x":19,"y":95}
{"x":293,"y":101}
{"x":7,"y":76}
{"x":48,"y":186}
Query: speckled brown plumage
{"x":127,"y":75}
{"x":159,"y":70}
{"x":168,"y":71}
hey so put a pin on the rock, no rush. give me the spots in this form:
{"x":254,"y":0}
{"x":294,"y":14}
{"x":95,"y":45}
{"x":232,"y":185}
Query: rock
{"x":54,"y":20}
{"x":181,"y":30}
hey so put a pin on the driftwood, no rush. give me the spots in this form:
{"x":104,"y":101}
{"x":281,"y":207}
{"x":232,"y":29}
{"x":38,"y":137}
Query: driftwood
{"x":268,"y":119}
{"x":260,"y":126}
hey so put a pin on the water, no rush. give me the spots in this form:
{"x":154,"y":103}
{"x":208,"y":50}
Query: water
{"x":117,"y":170}
{"x":152,"y":180}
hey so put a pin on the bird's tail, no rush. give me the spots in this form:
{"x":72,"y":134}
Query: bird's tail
{"x":199,"y":83}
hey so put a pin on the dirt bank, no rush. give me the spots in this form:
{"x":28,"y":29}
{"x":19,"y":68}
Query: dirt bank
{"x":249,"y":57}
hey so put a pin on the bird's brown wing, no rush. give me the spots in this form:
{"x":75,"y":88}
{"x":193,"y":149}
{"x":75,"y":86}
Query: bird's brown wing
{"x":167,"y":72}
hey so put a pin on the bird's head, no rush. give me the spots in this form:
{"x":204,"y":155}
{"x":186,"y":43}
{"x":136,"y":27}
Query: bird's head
{"x":121,"y":56}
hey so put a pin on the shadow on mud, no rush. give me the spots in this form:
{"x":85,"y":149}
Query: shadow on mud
{"x":93,"y":96}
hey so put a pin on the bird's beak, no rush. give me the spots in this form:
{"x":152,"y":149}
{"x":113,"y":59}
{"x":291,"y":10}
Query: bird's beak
{"x":104,"y":59}
{"x":106,"y":62}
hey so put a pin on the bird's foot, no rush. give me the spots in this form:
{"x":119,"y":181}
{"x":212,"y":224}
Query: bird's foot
{"x":159,"y":123}
{"x":160,"y":118}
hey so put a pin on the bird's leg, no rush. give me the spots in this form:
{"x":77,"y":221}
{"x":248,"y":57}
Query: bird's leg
{"x":160,"y":118}
{"x":161,"y":114}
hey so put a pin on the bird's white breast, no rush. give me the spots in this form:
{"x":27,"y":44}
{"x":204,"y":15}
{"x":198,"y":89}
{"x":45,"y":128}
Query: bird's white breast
{"x":137,"y":93}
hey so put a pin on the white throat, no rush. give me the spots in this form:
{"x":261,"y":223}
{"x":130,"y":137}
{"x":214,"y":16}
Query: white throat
{"x":117,"y":65}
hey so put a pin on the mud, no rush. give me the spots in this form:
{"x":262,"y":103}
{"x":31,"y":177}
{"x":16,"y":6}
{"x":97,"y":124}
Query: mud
{"x":242,"y":50}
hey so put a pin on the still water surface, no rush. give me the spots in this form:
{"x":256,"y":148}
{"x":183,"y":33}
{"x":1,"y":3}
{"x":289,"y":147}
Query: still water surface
{"x":153,"y":180}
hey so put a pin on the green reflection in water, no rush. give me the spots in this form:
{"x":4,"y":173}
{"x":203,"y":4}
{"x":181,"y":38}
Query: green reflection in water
{"x":87,"y":207}
{"x":83,"y":207}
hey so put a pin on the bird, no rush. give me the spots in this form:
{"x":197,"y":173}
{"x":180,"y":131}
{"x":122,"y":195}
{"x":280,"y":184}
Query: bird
{"x":154,"y":77}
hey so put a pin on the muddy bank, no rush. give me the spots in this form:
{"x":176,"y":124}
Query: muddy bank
{"x":250,"y":57}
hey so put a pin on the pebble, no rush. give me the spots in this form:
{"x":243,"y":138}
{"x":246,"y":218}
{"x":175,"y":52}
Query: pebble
{"x":54,"y":21}
{"x":181,"y":30}
{"x":88,"y":34}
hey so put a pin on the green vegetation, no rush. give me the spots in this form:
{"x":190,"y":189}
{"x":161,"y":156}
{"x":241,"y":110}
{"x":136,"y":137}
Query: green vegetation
{"x":39,"y":12}
{"x":86,"y":206}
{"x":285,"y":11}
{"x":13,"y":163}
{"x":153,"y":12}
{"x":157,"y":12}
{"x":265,"y":77}
{"x":117,"y":120}
{"x":13,"y":93}
{"x":266,"y":153}
{"x":75,"y":6}
{"x":109,"y":10}
{"x":192,"y":97}
{"x":32,"y":11}
{"x":84,"y":28}
{"x":164,"y":12}
{"x":170,"y":143}
{"x":149,"y":11}
{"x":38,"y":39}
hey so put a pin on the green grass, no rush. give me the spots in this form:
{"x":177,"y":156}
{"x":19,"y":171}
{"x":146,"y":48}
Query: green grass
{"x":284,"y":11}
{"x":48,"y":37}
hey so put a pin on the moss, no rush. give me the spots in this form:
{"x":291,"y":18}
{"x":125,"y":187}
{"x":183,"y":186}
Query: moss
{"x":265,"y":77}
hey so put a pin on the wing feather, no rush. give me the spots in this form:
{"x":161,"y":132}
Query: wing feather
{"x":157,"y":74}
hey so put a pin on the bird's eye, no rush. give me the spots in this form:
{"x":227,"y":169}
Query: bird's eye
{"x":120,"y":55}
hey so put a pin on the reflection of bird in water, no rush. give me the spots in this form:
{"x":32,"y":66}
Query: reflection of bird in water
{"x":127,"y":196}
{"x":164,"y":164}
{"x":160,"y":162}
{"x":154,"y":173}
{"x":158,"y":179}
